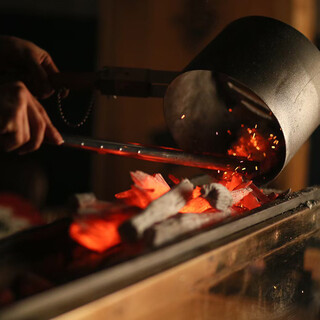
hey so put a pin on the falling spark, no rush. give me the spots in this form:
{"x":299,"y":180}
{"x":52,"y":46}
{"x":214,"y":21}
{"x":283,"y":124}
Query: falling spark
{"x":183,"y":116}
{"x":256,"y":168}
{"x":244,"y":169}
{"x":230,"y":110}
{"x":229,"y":132}
{"x":217,"y":133}
{"x":254,"y":146}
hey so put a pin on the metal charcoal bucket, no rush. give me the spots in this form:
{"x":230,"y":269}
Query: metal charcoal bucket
{"x":258,"y":74}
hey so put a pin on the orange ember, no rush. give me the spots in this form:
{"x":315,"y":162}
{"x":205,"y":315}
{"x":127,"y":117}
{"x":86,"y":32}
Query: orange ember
{"x":196,"y":204}
{"x":146,"y":188}
{"x":98,"y":233}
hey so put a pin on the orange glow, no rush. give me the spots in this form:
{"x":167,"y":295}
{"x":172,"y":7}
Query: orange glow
{"x":235,"y":181}
{"x":250,"y":145}
{"x":250,"y":202}
{"x":146,"y":188}
{"x":197,"y":204}
{"x":254,"y":146}
{"x":98,"y":233}
{"x":174,"y":179}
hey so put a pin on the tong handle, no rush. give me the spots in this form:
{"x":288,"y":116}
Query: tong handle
{"x":118,"y":81}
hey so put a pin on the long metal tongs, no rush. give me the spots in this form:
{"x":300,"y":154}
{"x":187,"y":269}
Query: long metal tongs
{"x":165,"y":155}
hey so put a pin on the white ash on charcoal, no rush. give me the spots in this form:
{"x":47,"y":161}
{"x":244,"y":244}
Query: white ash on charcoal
{"x":239,"y":194}
{"x":87,"y":204}
{"x":217,"y":195}
{"x":182,"y":224}
{"x":169,"y":204}
{"x":221,"y":198}
{"x":158,"y":210}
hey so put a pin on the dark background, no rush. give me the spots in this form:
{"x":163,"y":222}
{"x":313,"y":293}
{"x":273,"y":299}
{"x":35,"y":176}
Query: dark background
{"x":67,"y":30}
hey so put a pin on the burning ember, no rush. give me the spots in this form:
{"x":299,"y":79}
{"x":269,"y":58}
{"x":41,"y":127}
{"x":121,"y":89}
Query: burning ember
{"x":150,"y":187}
{"x":98,"y":233}
{"x":151,"y":201}
{"x":146,"y":188}
{"x":257,"y":147}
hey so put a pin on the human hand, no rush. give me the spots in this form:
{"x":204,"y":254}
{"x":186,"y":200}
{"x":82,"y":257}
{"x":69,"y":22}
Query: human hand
{"x":23,"y":60}
{"x":24,"y":123}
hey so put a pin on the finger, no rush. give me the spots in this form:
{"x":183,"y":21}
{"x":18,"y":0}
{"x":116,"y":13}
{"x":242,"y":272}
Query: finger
{"x":18,"y":133}
{"x":37,"y":129}
{"x":12,"y":97}
{"x":14,"y":128}
{"x":48,"y":65}
{"x":52,"y":135}
{"x":8,"y":121}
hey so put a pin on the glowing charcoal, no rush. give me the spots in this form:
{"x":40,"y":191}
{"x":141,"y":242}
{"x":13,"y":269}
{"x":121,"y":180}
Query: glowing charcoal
{"x":250,"y":202}
{"x":234,"y":182}
{"x":197,"y":205}
{"x":146,"y":189}
{"x":98,"y":233}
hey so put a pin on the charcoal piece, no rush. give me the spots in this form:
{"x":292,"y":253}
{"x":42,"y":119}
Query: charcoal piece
{"x":177,"y":226}
{"x":218,"y":196}
{"x":160,"y":209}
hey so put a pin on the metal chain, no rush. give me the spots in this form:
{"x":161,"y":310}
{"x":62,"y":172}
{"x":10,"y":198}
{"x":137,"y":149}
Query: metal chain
{"x":63,"y":116}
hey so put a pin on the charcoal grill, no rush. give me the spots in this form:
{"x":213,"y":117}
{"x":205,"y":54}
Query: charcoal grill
{"x":237,"y":264}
